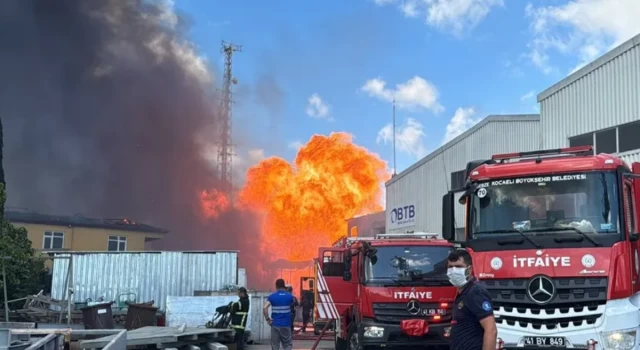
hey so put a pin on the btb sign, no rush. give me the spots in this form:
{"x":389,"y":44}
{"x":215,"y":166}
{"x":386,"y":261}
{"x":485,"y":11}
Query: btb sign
{"x":402,"y":216}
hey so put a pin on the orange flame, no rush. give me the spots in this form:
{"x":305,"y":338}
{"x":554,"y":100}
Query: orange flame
{"x":213,"y":203}
{"x":306,"y":205}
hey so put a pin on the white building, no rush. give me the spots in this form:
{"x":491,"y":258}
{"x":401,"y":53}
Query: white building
{"x":366,"y":225}
{"x":597,"y":105}
{"x":419,"y":189}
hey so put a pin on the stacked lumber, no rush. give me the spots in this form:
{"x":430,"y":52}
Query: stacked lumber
{"x":42,"y":309}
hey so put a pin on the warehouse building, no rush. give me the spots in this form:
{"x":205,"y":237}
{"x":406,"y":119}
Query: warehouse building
{"x":598,"y":105}
{"x":368,"y":225}
{"x":414,"y":196}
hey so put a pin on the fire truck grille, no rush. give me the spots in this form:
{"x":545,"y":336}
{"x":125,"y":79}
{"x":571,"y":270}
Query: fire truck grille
{"x":396,"y":312}
{"x":577,"y":301}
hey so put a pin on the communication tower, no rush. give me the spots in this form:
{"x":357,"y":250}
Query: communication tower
{"x":225,"y":149}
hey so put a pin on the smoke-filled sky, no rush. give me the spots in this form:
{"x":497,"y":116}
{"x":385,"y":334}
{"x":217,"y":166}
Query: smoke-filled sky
{"x":107,"y":109}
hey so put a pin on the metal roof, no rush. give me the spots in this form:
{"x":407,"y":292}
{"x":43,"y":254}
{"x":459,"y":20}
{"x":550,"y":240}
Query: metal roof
{"x":479,"y":125}
{"x":121,"y":224}
{"x":602,"y":60}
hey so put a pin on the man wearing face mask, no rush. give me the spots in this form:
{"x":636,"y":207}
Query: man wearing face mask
{"x":473,"y":326}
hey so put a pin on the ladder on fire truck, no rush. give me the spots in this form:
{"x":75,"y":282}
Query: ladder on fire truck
{"x":324,"y":309}
{"x":345,"y":241}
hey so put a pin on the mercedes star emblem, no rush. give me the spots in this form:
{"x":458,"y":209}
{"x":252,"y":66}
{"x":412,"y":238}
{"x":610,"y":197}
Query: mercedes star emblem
{"x":413,"y":306}
{"x":541,"y":289}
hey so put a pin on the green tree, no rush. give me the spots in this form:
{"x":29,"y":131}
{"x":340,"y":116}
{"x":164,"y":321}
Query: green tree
{"x":25,"y":269}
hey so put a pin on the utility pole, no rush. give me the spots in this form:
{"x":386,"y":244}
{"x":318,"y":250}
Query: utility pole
{"x":394,"y":138}
{"x":225,"y":149}
{"x":4,"y":287}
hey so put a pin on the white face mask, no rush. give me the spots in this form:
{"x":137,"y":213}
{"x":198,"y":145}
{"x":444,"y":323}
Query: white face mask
{"x":457,"y":276}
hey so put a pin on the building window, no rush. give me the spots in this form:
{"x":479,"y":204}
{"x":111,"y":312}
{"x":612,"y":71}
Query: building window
{"x":457,"y":179}
{"x":622,"y":138}
{"x":606,"y":141}
{"x":117,"y":244}
{"x":581,"y":140}
{"x":628,"y":139}
{"x":53,"y":240}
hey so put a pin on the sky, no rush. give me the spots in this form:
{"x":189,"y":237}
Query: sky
{"x":314,"y":67}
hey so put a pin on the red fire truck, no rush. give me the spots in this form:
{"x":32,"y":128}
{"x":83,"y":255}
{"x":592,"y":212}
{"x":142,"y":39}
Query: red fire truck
{"x":370,"y":285}
{"x":554,"y":238}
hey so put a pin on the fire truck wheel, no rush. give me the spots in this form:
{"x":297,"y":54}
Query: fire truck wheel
{"x":352,"y":336}
{"x":340,"y":344}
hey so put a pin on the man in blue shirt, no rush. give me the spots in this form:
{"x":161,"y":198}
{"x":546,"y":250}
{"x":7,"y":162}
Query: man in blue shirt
{"x":280,"y":320}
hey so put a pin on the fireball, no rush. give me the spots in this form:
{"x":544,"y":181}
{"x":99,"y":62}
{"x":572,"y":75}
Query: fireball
{"x":305,"y":205}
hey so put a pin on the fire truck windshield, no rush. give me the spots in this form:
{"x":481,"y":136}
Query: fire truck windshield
{"x":585,"y":203}
{"x":408,"y":265}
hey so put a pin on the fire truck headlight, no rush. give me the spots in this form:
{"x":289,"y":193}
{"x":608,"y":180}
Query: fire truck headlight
{"x":373,"y":332}
{"x":623,"y":339}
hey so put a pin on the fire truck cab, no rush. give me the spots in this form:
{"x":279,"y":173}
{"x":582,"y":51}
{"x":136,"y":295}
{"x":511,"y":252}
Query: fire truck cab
{"x":374,"y":283}
{"x":554,"y":237}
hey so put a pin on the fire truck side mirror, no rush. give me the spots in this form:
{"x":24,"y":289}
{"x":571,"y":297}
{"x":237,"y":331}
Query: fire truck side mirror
{"x":347,"y":260}
{"x":347,"y":276}
{"x":347,"y":266}
{"x":448,"y":222}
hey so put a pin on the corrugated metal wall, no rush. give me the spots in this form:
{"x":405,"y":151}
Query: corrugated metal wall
{"x":606,"y":96}
{"x":425,"y":185}
{"x":149,"y":275}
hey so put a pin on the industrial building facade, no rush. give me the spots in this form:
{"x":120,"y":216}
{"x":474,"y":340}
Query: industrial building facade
{"x":414,"y":197}
{"x":366,"y":225}
{"x":598,"y":105}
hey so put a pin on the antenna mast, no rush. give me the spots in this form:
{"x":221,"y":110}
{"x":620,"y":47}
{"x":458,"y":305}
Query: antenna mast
{"x":394,"y":138}
{"x":225,"y":150}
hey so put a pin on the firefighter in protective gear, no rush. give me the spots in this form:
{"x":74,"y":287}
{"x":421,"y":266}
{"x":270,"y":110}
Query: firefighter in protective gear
{"x":239,"y":314}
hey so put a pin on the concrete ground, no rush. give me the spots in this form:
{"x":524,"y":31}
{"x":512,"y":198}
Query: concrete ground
{"x":297,"y":345}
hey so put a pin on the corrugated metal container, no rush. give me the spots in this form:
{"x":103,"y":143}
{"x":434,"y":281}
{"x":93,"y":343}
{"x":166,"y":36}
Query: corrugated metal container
{"x":196,"y":311}
{"x":424,"y":183}
{"x":601,"y":95}
{"x":148,"y":275}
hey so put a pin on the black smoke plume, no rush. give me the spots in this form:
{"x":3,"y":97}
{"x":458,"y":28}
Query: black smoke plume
{"x":107,"y":108}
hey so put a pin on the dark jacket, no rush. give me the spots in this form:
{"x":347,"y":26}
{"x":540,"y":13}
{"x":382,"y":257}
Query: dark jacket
{"x":307,"y":300}
{"x":240,"y":313}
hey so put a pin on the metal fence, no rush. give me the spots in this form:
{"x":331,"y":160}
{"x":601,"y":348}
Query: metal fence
{"x":143,"y":276}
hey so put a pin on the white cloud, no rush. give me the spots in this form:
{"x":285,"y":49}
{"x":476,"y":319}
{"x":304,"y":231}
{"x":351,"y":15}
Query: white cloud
{"x":409,"y":137}
{"x":452,"y":16}
{"x":317,"y":108}
{"x":529,"y":95}
{"x":295,"y":145}
{"x":415,"y":93}
{"x":461,"y":121}
{"x":582,"y":28}
{"x":185,"y":51}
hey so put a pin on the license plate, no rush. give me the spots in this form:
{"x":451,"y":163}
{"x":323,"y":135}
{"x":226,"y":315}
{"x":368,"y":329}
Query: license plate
{"x":431,"y":312}
{"x":556,"y":342}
